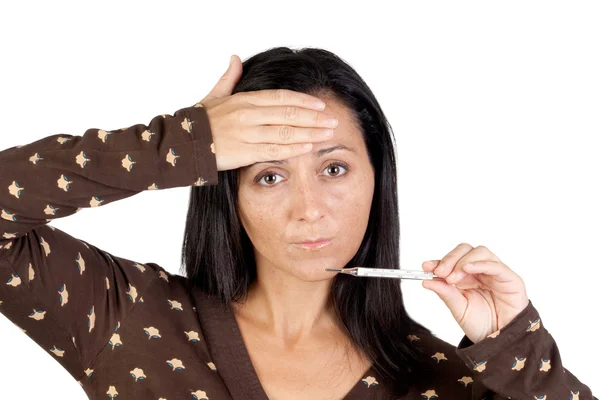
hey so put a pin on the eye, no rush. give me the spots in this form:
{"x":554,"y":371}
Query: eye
{"x":271,"y":173}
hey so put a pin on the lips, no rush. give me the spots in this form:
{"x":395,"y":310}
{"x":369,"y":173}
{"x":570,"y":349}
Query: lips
{"x":313,"y":240}
{"x":313,"y":245}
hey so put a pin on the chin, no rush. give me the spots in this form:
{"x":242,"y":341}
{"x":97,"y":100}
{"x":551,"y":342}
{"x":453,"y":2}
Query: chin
{"x":313,"y":271}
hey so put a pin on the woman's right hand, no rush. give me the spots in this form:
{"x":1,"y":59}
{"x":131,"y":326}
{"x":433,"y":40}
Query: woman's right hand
{"x":262,"y":125}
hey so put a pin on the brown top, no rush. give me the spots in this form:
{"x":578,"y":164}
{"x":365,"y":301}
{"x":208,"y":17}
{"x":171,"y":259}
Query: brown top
{"x":132,"y":329}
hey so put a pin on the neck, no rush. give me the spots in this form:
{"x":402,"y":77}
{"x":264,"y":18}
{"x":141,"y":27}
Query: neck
{"x":295,"y":313}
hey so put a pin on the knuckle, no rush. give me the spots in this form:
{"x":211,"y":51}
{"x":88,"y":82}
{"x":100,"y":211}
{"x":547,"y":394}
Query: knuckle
{"x":272,"y":149}
{"x":224,"y":77}
{"x":279,"y":95}
{"x":443,"y":265}
{"x":318,"y":117}
{"x":241,"y":115}
{"x":241,"y":96}
{"x":286,"y":133}
{"x":290,"y":112}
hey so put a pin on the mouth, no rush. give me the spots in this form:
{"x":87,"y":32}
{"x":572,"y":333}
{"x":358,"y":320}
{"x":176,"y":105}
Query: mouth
{"x":314,"y":245}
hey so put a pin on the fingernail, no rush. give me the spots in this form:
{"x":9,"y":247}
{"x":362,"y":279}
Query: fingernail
{"x":332,"y":122}
{"x":456,"y":276}
{"x":320,"y":105}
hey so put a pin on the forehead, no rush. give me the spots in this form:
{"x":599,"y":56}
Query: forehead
{"x":346,"y":121}
{"x":346,"y":135}
{"x":347,"y":132}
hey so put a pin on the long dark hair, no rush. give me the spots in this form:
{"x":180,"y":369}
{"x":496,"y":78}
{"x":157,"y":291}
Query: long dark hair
{"x":218,"y":256}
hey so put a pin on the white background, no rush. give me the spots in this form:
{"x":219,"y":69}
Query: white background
{"x":495,"y":109}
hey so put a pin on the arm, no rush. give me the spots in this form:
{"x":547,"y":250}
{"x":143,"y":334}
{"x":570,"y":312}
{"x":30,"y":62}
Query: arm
{"x":65,"y":294}
{"x":521,"y":361}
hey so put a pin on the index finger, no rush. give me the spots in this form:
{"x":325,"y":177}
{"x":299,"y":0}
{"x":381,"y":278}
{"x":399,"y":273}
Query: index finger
{"x":269,"y":97}
{"x":449,"y":261}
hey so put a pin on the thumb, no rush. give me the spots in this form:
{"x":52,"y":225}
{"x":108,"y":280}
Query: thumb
{"x":450,"y":295}
{"x":228,"y":80}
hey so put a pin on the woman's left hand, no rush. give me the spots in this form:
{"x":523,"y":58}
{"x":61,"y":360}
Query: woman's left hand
{"x":484,"y":296}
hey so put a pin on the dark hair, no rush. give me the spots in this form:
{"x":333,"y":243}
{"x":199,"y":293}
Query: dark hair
{"x":219,"y":257}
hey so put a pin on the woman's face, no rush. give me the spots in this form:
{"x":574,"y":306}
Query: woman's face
{"x":307,"y":198}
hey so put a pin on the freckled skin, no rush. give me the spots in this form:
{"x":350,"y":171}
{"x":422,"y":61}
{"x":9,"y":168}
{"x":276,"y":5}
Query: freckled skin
{"x":310,"y":200}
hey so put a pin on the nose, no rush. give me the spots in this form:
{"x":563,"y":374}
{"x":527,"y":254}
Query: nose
{"x":309,"y":200}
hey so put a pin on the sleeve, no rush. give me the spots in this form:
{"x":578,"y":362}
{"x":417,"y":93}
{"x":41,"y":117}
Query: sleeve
{"x":67,"y":295}
{"x":521,"y":361}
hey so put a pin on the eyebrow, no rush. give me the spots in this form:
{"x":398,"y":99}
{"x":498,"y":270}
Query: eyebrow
{"x":319,"y":153}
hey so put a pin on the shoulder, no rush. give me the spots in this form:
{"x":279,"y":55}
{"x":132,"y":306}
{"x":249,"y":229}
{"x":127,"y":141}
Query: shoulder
{"x":167,"y":285}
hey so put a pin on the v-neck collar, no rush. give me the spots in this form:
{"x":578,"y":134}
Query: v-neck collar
{"x":231,"y":357}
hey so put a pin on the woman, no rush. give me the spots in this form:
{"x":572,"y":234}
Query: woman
{"x":257,"y":315}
